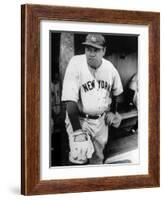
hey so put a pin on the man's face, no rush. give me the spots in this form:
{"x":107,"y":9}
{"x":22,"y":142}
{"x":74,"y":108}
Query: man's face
{"x":94,"y":56}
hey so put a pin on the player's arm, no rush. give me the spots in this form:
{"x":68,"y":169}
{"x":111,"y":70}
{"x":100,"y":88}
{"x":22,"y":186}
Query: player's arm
{"x":114,"y":105}
{"x":117,"y":90}
{"x":113,"y":117}
{"x":81,"y":147}
{"x":70,"y":95}
{"x":73,"y":113}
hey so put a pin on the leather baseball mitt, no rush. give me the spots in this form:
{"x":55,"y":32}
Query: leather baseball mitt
{"x":81,"y":147}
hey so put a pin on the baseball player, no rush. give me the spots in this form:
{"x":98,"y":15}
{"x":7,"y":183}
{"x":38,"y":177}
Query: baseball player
{"x":90,"y":89}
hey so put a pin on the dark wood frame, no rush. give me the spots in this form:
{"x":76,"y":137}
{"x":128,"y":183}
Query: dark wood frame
{"x":31,"y":16}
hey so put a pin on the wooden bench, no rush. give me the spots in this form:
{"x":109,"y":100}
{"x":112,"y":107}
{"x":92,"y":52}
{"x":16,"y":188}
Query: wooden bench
{"x":129,"y":114}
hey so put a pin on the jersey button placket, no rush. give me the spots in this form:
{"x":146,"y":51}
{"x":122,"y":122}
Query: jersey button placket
{"x":98,"y":100}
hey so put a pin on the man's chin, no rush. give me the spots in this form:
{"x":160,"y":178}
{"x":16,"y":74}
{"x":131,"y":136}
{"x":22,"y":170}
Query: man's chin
{"x":93,"y":65}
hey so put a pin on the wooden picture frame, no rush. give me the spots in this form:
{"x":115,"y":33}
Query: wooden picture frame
{"x":31,"y":16}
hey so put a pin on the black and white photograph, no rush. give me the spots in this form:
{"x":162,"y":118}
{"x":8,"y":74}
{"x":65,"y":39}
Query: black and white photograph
{"x":93,"y":95}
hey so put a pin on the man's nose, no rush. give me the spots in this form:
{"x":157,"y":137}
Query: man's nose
{"x":92,"y":53}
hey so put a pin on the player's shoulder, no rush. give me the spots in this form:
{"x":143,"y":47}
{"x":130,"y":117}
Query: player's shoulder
{"x":76,"y":62}
{"x":108,"y":65}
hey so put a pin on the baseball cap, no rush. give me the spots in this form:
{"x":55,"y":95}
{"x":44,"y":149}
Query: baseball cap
{"x":95,"y":40}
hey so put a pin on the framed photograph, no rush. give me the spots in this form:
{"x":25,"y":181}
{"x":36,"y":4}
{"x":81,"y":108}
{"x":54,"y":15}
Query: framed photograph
{"x":89,"y":99}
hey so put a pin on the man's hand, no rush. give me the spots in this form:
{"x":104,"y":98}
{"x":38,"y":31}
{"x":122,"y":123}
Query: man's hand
{"x":81,"y":147}
{"x":113,"y":119}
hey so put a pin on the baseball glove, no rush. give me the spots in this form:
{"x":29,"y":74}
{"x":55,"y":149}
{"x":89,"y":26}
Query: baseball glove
{"x":81,"y":147}
{"x":113,"y":119}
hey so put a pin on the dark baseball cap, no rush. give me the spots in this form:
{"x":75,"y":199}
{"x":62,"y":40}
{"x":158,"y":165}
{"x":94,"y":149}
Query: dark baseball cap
{"x":95,"y":40}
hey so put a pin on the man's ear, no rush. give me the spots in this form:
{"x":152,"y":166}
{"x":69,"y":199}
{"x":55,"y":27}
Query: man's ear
{"x":104,"y":51}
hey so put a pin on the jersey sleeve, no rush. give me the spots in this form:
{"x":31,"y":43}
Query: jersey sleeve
{"x":117,"y":88}
{"x":70,"y":91}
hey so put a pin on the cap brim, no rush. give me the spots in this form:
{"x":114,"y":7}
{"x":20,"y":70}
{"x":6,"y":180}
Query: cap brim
{"x":92,"y":45}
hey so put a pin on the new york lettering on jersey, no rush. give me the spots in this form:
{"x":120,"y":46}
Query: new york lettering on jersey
{"x":90,"y":85}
